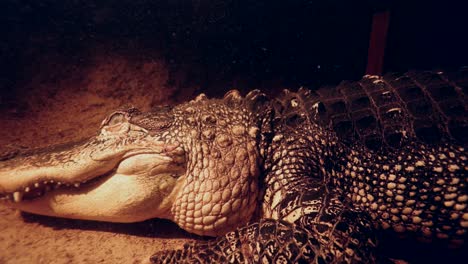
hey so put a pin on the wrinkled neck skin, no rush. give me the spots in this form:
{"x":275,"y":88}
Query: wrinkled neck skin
{"x":219,"y":191}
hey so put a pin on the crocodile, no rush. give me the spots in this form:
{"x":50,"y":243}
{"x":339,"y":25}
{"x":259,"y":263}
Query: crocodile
{"x":305,"y":177}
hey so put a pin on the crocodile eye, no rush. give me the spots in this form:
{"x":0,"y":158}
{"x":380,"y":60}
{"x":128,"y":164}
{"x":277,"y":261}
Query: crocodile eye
{"x":116,"y":119}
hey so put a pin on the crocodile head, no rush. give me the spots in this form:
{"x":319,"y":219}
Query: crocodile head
{"x":195,"y":164}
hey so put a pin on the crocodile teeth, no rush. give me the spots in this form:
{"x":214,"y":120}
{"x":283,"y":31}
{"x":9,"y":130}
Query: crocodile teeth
{"x":37,"y":190}
{"x":17,"y":196}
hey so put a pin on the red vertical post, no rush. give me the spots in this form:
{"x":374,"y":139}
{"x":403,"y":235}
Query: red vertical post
{"x":377,"y":41}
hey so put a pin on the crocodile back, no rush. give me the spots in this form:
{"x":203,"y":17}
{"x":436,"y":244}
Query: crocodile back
{"x":391,"y":110}
{"x":394,"y":145}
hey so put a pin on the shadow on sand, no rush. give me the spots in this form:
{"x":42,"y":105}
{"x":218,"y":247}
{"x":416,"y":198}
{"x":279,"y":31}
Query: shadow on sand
{"x":153,"y":228}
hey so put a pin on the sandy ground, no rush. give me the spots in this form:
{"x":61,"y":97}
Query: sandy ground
{"x":64,"y":102}
{"x":26,"y":238}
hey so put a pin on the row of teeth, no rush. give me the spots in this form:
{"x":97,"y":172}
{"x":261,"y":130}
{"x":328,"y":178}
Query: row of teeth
{"x":37,"y":189}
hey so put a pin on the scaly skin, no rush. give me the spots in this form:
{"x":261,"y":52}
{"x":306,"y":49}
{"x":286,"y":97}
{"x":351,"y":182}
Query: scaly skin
{"x":306,"y":177}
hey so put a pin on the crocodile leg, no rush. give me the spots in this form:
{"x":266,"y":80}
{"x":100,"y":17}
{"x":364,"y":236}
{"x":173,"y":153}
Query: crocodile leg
{"x":344,"y":239}
{"x":298,"y":192}
{"x":264,"y":241}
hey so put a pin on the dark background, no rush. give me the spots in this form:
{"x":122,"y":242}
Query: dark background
{"x":296,"y":42}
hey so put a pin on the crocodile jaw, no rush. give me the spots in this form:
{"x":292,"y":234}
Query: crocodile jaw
{"x":122,"y":176}
{"x":117,"y":197}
